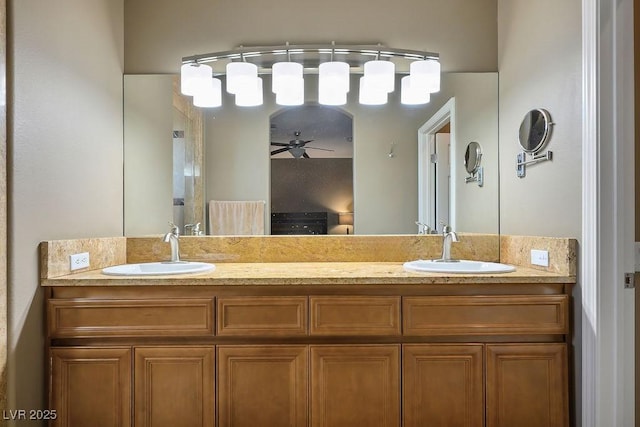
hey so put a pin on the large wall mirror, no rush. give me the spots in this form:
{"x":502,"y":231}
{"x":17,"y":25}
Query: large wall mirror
{"x":389,"y":150}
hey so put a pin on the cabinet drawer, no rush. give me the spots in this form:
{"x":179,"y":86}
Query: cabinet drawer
{"x":485,"y":315}
{"x":262,"y":316}
{"x":131,"y":318}
{"x":355,"y":315}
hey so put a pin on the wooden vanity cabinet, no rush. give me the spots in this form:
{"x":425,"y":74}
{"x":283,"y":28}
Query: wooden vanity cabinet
{"x":263,"y":385}
{"x":319,"y":356}
{"x":174,"y":386}
{"x":90,"y":386}
{"x":442,"y":385}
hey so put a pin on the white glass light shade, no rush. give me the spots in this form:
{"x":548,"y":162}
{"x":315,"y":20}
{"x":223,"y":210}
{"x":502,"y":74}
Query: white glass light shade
{"x":381,"y":75}
{"x":241,"y":76}
{"x":425,"y":75}
{"x":332,"y":97}
{"x":284,"y":74}
{"x":292,"y":93}
{"x":334,"y":76}
{"x":211,"y":96}
{"x":194,"y":76}
{"x":412,"y":96}
{"x":250,"y":96}
{"x":371,"y":94}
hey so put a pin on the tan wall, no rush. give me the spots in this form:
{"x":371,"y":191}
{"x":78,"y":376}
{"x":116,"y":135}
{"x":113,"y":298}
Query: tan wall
{"x":160,"y":32}
{"x":148,"y":154}
{"x":65,"y":155}
{"x":540,"y":67}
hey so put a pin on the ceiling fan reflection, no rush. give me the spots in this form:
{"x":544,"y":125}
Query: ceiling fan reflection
{"x":296,"y":147}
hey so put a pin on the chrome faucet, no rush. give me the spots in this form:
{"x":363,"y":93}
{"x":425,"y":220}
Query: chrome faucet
{"x":423,"y":228}
{"x":448,"y":236}
{"x":192,"y":229}
{"x":173,"y":238}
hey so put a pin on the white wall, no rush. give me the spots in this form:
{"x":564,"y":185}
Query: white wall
{"x":65,"y":155}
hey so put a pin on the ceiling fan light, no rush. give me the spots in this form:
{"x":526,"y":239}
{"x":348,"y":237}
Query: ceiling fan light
{"x":381,"y":75}
{"x":211,"y":97}
{"x":241,"y":76}
{"x":297,"y":152}
{"x":371,"y":94}
{"x":250,"y":96}
{"x":193,"y":76}
{"x":292,"y":93}
{"x":283,"y":74}
{"x":411,"y":96}
{"x":425,"y":75}
{"x":333,"y":76}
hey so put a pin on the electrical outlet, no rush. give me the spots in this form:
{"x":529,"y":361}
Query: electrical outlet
{"x":539,"y":257}
{"x":79,"y":261}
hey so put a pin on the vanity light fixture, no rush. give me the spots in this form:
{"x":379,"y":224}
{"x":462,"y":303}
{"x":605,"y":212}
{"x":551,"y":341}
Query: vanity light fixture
{"x":333,"y":83}
{"x":333,"y":63}
{"x":194,"y":77}
{"x":412,"y":97}
{"x":370,"y":93}
{"x":287,"y":82}
{"x":209,"y":96}
{"x":425,"y":75}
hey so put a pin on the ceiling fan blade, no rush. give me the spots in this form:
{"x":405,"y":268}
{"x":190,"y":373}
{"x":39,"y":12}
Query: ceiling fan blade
{"x":279,"y":150}
{"x":305,"y":155}
{"x":323,"y":149}
{"x":280,"y":144}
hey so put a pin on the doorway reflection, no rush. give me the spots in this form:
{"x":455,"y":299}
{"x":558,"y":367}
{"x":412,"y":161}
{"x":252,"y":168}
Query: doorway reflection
{"x":311,"y":170}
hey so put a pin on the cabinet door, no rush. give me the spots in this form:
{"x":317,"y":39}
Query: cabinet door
{"x":263,"y":386}
{"x":91,"y":386}
{"x":355,"y":385}
{"x":174,"y":386}
{"x":527,"y":385}
{"x":443,"y":385}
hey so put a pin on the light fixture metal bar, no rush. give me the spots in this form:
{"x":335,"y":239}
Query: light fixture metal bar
{"x":357,"y":49}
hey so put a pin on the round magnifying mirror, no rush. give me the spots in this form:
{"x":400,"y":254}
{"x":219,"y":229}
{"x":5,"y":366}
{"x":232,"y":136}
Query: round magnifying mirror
{"x":534,"y":130}
{"x":472,"y":157}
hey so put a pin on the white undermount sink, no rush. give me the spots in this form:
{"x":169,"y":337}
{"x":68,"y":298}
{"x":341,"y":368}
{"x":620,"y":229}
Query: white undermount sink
{"x":158,"y":268}
{"x":461,"y":266}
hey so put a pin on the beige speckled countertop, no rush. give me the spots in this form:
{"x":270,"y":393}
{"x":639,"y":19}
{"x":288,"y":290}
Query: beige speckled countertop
{"x":308,"y":273}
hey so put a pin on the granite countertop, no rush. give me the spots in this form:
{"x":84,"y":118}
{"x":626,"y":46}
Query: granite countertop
{"x":308,"y":273}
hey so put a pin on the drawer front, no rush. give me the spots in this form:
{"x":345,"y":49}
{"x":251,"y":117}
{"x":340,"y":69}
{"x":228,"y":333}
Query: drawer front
{"x":131,"y":318}
{"x":355,"y":315}
{"x":485,"y":315}
{"x":262,"y":316}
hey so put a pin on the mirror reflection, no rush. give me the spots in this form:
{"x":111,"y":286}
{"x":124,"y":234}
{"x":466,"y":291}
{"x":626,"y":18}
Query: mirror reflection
{"x":472,"y":157}
{"x":534,"y":130}
{"x":312,"y":173}
{"x":390,"y":157}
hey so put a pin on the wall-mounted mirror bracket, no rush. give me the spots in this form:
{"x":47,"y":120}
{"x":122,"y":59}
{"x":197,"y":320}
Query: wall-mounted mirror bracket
{"x":477,"y":176}
{"x":522,"y":162}
{"x":535,"y":131}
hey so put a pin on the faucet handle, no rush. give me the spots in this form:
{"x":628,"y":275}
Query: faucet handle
{"x":446,"y":228}
{"x":174,"y":228}
{"x":192,"y":229}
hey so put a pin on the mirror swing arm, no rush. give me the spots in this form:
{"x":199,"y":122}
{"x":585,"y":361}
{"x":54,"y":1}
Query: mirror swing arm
{"x":477,"y":176}
{"x":522,"y":162}
{"x":535,"y":131}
